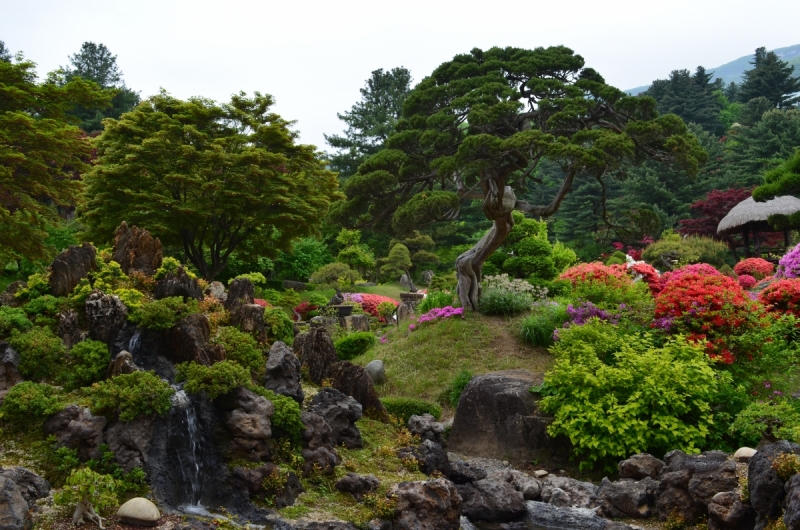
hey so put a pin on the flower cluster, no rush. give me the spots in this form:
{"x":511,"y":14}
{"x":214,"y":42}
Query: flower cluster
{"x":369,"y":302}
{"x":304,"y":309}
{"x":261,"y":302}
{"x":596,"y":271}
{"x":648,"y":274}
{"x":503,"y":283}
{"x":758,"y":268}
{"x":441,"y":313}
{"x":700,"y":269}
{"x":747,"y":281}
{"x":581,"y":314}
{"x":782,"y":296}
{"x":789,"y":265}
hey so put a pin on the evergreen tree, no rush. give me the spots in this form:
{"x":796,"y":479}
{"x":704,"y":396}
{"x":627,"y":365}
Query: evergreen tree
{"x":5,"y":53}
{"x":770,"y":78}
{"x":763,"y":146}
{"x":692,"y":97}
{"x":370,"y":121}
{"x":94,"y":62}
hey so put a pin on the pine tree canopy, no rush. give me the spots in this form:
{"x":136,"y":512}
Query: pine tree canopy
{"x":41,"y":154}
{"x":770,"y":78}
{"x":208,"y":178}
{"x":782,"y":180}
{"x":692,"y":97}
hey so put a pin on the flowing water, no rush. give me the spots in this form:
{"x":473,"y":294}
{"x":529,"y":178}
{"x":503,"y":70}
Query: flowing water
{"x":188,"y":460}
{"x":136,"y":339}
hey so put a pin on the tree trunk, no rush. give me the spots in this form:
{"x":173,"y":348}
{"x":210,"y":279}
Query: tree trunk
{"x":498,"y":205}
{"x":84,"y":512}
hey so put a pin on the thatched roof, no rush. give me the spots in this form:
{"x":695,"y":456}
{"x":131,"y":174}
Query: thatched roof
{"x":749,"y":211}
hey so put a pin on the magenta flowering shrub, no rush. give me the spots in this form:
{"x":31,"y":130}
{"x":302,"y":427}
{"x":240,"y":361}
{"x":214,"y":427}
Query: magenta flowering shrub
{"x":747,"y":281}
{"x":441,"y":313}
{"x":586,"y":311}
{"x":789,"y":265}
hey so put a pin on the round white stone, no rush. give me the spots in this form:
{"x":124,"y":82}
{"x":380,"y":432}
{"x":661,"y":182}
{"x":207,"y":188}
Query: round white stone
{"x":139,"y":511}
{"x":744,"y":454}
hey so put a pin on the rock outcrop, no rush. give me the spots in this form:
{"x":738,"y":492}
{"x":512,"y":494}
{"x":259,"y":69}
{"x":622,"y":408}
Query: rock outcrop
{"x":427,"y":428}
{"x":9,"y":373}
{"x":178,"y":284}
{"x":69,"y":328}
{"x":70,"y":267}
{"x":283,"y":372}
{"x":430,"y":505}
{"x":248,"y":421}
{"x":357,"y":485}
{"x":106,"y":315}
{"x":726,"y":511}
{"x":240,"y":292}
{"x":31,"y":486}
{"x":14,"y":513}
{"x":189,"y":341}
{"x":627,"y":498}
{"x":766,"y":487}
{"x":282,"y":494}
{"x":353,"y":380}
{"x":568,"y":492}
{"x":498,"y":417}
{"x":136,"y":250}
{"x":640,"y":466}
{"x":316,"y":353}
{"x":121,"y":364}
{"x":491,"y":501}
{"x":8,"y":298}
{"x":341,"y":412}
{"x":430,"y":457}
{"x":77,"y":428}
{"x":318,"y":451}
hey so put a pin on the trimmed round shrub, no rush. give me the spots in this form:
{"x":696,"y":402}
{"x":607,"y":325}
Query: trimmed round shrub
{"x":758,"y":268}
{"x":88,"y":363}
{"x":131,"y":395}
{"x":782,"y":296}
{"x":596,"y":272}
{"x":701,"y":269}
{"x":41,"y":353}
{"x":673,"y":250}
{"x":28,"y":402}
{"x":240,"y":347}
{"x":404,"y":408}
{"x":279,"y":325}
{"x":354,"y":344}
{"x":163,"y":314}
{"x":746,"y":281}
{"x":13,"y":318}
{"x":215,"y":380}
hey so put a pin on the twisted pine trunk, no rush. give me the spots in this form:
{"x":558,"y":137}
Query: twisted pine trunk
{"x":498,"y":204}
{"x":84,"y":512}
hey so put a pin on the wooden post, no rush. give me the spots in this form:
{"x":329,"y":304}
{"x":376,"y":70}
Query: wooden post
{"x":747,"y":242}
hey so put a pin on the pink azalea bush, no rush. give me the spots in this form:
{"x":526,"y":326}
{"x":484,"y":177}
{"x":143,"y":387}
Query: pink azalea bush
{"x":436,"y":314}
{"x":747,"y":281}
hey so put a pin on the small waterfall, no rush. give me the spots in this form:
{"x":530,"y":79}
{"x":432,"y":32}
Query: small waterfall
{"x":136,"y":339}
{"x":188,"y":459}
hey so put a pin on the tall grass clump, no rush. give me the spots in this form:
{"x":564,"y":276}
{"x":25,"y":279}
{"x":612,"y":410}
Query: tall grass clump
{"x":538,"y":328}
{"x":437,"y":299}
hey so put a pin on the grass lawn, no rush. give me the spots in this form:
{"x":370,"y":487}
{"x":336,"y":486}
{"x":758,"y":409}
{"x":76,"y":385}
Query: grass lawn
{"x":421,"y":364}
{"x":392,"y":290}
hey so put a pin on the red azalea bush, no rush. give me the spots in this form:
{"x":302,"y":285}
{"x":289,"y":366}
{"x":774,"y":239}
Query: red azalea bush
{"x":758,"y":268}
{"x":649,"y":275}
{"x":782,"y":296}
{"x":596,"y":271}
{"x":304,"y":309}
{"x":369,"y":303}
{"x":747,"y":281}
{"x":703,"y":269}
{"x":707,"y":308}
{"x":261,"y":302}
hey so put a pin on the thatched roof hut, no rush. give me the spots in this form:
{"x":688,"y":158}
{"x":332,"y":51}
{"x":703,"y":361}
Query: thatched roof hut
{"x":750,"y":215}
{"x":755,"y":214}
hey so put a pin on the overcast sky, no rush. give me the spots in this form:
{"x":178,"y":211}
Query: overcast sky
{"x":314,"y":55}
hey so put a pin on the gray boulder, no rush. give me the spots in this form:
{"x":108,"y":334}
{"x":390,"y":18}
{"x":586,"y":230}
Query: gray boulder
{"x":131,"y":442}
{"x":376,"y":371}
{"x":726,"y":511}
{"x":70,"y":267}
{"x":77,"y":428}
{"x":430,"y":505}
{"x":427,"y":428}
{"x":341,"y":412}
{"x":357,"y":485}
{"x":8,"y":298}
{"x":283,"y":372}
{"x":565,"y":491}
{"x":529,"y":487}
{"x":248,"y":421}
{"x":627,"y":498}
{"x":640,"y":466}
{"x":498,"y":417}
{"x":250,"y":318}
{"x":240,"y":292}
{"x":462,"y":472}
{"x":188,"y":341}
{"x":9,"y":374}
{"x":106,"y":315}
{"x":491,"y":501}
{"x":216,"y":291}
{"x":791,"y":516}
{"x":353,"y":380}
{"x":122,"y":364}
{"x":766,"y":487}
{"x":426,"y":277}
{"x":316,"y":353}
{"x":430,"y":456}
{"x":14,"y":514}
{"x":31,"y":486}
{"x":543,"y":515}
{"x":318,"y":451}
{"x":69,"y":329}
{"x":178,"y":284}
{"x":689,"y":482}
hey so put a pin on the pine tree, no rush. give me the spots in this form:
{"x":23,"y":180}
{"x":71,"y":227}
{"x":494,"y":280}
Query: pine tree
{"x":770,"y":78}
{"x":5,"y":54}
{"x":692,"y":97}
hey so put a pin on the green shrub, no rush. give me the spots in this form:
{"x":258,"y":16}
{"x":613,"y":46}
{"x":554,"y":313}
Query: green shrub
{"x":256,"y":278}
{"x":443,"y":282}
{"x":287,"y":413}
{"x":335,"y":275}
{"x":318,"y":299}
{"x":163,"y":314}
{"x":617,"y":258}
{"x":563,"y":257}
{"x":673,"y":251}
{"x":457,"y":386}
{"x":404,"y":408}
{"x":41,"y":353}
{"x":13,"y":318}
{"x":240,"y":347}
{"x":643,"y":398}
{"x":47,"y":305}
{"x":278,"y":325}
{"x":28,"y":402}
{"x":775,"y":418}
{"x":288,"y":299}
{"x":610,"y":296}
{"x":88,"y":490}
{"x":171,"y":265}
{"x":538,"y":328}
{"x":354,"y":344}
{"x":501,"y":302}
{"x":36,"y":286}
{"x":131,"y":484}
{"x":437,"y":299}
{"x":89,"y":363}
{"x":131,"y":395}
{"x":554,"y":287}
{"x":215,"y":380}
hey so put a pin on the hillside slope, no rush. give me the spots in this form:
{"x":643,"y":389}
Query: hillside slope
{"x":733,"y":71}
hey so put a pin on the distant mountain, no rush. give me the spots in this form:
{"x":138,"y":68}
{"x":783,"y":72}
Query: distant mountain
{"x":734,"y":70}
